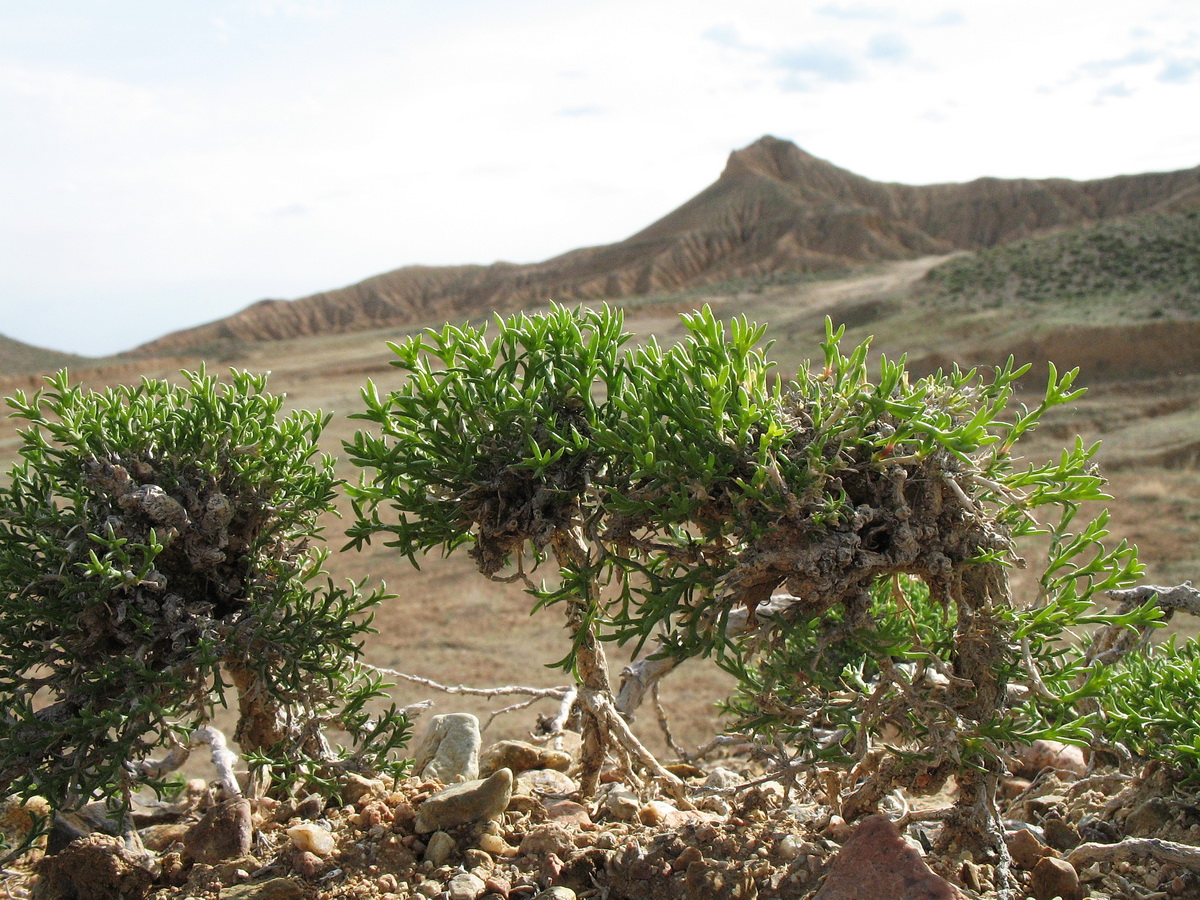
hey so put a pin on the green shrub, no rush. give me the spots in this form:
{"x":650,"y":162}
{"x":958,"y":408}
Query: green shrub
{"x":153,"y":541}
{"x":675,"y":487}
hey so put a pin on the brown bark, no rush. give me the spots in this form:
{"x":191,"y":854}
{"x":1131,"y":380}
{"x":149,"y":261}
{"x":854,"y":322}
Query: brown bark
{"x":591,"y":666}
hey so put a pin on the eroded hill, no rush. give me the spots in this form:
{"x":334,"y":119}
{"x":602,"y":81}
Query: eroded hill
{"x":774,"y":209}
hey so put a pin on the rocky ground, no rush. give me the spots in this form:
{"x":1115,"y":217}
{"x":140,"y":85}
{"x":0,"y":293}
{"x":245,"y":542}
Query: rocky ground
{"x":735,"y":834}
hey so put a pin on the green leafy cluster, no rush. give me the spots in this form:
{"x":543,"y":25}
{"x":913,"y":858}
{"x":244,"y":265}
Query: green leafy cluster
{"x":662,"y":457}
{"x":1145,"y":264}
{"x":1150,"y":706}
{"x":155,"y":539}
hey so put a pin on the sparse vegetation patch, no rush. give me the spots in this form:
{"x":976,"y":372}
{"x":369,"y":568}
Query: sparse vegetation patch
{"x":1145,"y":266}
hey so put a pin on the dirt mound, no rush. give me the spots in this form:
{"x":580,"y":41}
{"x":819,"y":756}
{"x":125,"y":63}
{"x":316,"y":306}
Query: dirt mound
{"x":775,"y":208}
{"x":18,"y":358}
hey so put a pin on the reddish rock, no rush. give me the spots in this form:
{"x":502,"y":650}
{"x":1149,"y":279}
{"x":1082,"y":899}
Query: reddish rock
{"x":224,"y":833}
{"x":1052,"y":878}
{"x":567,"y":812}
{"x":1025,"y":849}
{"x":497,"y":884}
{"x":1040,"y":755}
{"x":96,"y":867}
{"x":875,"y":863}
{"x":307,"y":865}
{"x":1011,"y":788}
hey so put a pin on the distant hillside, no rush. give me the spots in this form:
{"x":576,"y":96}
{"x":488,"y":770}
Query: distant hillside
{"x":774,"y":209}
{"x":18,"y":358}
{"x":1145,"y":266}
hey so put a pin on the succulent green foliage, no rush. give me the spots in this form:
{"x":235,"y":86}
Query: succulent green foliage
{"x":1150,"y":705}
{"x":1147,"y":265}
{"x":153,"y":539}
{"x":701,"y":484}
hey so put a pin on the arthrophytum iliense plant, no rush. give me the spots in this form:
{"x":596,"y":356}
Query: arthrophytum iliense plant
{"x":675,"y":491}
{"x":155,"y":540}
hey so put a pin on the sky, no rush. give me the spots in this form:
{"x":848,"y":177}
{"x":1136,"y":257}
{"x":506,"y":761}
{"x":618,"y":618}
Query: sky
{"x":164,"y":164}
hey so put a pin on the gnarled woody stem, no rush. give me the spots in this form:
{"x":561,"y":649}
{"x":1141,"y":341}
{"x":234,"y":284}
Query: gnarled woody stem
{"x":571,"y":553}
{"x":602,"y":724}
{"x":263,"y":722}
{"x":1115,"y":641}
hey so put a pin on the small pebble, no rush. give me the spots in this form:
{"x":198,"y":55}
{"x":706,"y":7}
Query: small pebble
{"x":1053,"y":878}
{"x":558,"y":892}
{"x":466,"y":886}
{"x":439,"y":848}
{"x":496,"y":845}
{"x":1148,"y":819}
{"x":310,"y":807}
{"x":1032,"y":759}
{"x":311,"y":838}
{"x":722,"y":778}
{"x":1060,"y":834}
{"x":655,"y":812}
{"x":1025,"y":848}
{"x":622,"y":805}
{"x":714,"y":803}
{"x":307,"y":865}
{"x":788,"y":847}
{"x":497,"y":884}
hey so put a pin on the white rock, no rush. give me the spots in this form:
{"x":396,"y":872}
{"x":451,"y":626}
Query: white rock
{"x":622,"y":805}
{"x":788,"y":847}
{"x":449,"y":749}
{"x":545,"y":781}
{"x":496,"y":845}
{"x":311,"y":838}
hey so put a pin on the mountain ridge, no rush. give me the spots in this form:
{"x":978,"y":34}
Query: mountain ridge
{"x":775,"y":208}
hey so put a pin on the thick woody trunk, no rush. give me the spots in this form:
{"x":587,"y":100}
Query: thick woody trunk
{"x":261,"y":722}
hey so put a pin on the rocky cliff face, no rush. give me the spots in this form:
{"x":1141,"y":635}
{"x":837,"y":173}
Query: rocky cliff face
{"x":775,"y":208}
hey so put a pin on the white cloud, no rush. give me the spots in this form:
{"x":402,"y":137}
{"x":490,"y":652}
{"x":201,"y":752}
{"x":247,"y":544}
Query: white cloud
{"x":1180,"y":71}
{"x":889,"y":46}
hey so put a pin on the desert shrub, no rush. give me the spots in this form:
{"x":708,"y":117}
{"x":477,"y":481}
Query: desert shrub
{"x":678,"y":489}
{"x":154,"y":541}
